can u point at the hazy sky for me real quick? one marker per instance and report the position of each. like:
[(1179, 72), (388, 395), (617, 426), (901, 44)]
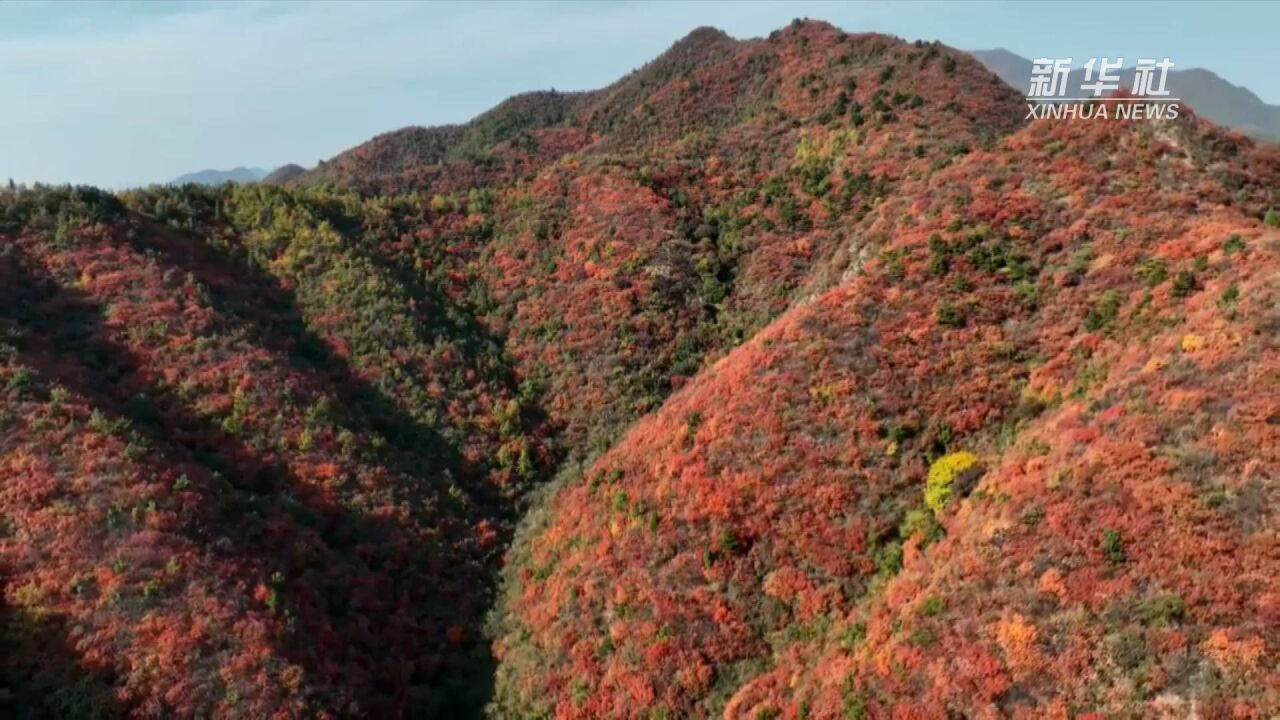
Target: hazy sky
[(126, 94)]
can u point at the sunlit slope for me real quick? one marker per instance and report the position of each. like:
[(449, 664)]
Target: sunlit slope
[(998, 470)]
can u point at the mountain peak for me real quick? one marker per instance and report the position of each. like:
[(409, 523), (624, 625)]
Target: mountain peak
[(695, 46), (703, 34), (809, 25), (283, 174)]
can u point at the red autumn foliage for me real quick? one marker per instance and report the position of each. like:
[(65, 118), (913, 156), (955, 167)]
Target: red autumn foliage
[(752, 523), (264, 448)]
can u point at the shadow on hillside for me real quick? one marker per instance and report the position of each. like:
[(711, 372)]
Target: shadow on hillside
[(41, 675), (270, 315), (368, 599), (439, 317), (437, 314)]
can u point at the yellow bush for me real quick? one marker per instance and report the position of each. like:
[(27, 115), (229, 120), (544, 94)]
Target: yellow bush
[(942, 475)]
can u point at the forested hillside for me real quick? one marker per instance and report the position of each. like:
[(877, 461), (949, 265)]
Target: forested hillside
[(1020, 464), (254, 466), (790, 377)]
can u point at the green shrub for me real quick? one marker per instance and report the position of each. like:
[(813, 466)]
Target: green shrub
[(856, 119), (947, 315), (152, 589), (441, 203), (1166, 609), (1112, 548), (1227, 301), (22, 379), (931, 606), (1272, 218), (1152, 271), (887, 558), (939, 255), (692, 422), (922, 637), (1028, 294), (1080, 260), (1215, 497), (894, 269), (619, 500), (1184, 284), (1103, 312), (853, 636), (921, 521), (1127, 649), (728, 541)]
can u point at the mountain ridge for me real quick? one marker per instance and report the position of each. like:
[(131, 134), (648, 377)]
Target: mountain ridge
[(787, 377), (217, 177), (530, 135)]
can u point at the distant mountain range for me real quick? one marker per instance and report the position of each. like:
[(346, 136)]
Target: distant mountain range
[(1206, 93), (218, 177)]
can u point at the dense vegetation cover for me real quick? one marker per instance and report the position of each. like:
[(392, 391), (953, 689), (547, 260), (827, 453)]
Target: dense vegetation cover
[(820, 386), (1003, 470)]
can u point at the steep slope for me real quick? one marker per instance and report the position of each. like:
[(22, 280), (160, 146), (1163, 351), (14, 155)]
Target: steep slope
[(617, 272), (354, 392), (1210, 95), (742, 549), (243, 475), (266, 446)]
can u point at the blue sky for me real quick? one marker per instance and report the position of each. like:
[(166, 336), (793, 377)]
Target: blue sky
[(125, 94)]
